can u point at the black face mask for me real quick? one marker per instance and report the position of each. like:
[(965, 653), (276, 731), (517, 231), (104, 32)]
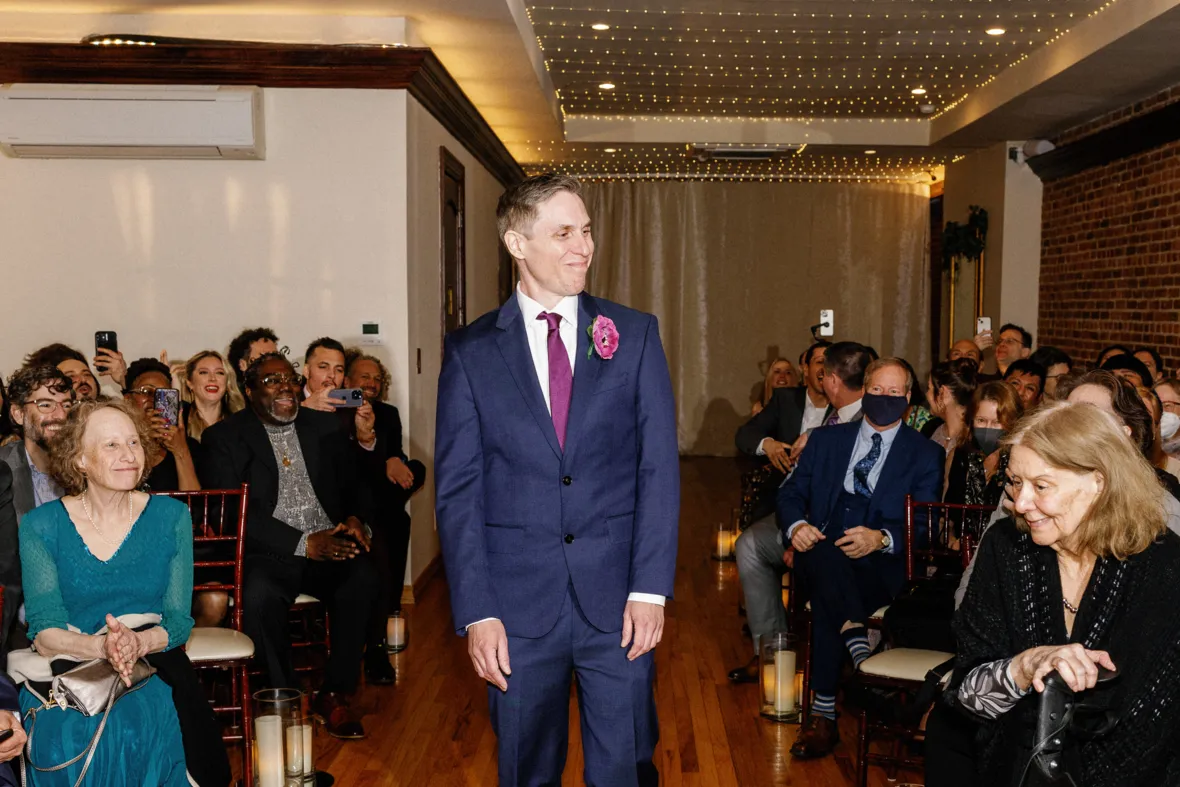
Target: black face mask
[(988, 439), (883, 410)]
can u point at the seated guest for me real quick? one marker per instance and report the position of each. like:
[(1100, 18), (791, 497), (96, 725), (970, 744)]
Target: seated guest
[(394, 478), (1154, 363), (1109, 352), (9, 560), (107, 574), (843, 385), (1027, 378), (851, 482), (1056, 364), (41, 399), (965, 348), (248, 345), (304, 532), (209, 391), (172, 468), (1082, 577), (1013, 343), (1158, 457), (949, 390), (976, 475), (71, 363), (11, 748), (781, 374), (1129, 368), (1168, 391)]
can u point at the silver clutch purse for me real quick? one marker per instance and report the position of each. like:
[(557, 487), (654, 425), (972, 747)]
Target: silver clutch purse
[(93, 686)]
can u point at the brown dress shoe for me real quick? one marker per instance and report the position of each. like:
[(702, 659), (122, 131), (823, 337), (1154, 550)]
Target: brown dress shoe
[(339, 721), (817, 739), (745, 674)]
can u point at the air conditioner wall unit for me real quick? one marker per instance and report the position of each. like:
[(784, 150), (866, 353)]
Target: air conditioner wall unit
[(132, 122)]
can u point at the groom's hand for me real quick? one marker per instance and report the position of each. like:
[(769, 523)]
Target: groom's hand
[(487, 644), (643, 627)]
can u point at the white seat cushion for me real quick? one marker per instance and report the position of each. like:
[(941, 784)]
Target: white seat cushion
[(303, 598), (878, 615), (218, 644), (904, 663)]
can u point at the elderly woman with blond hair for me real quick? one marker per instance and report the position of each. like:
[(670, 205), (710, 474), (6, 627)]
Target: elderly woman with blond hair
[(1084, 575)]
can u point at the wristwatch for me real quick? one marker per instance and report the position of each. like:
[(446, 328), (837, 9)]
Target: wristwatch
[(886, 540)]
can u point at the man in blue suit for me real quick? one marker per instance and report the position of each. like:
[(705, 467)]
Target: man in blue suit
[(558, 488), (843, 510)]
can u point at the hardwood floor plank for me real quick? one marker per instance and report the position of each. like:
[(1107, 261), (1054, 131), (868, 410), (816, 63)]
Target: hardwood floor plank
[(433, 730)]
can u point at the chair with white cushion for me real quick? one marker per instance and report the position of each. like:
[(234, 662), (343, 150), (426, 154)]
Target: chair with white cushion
[(308, 635), (904, 670), (219, 527)]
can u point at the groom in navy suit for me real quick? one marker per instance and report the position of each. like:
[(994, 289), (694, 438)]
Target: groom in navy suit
[(843, 510), (558, 496)]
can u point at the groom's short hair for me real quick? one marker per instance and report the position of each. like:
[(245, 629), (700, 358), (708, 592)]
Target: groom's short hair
[(517, 209)]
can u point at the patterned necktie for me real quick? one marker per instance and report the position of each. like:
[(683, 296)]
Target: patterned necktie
[(834, 418), (860, 473), (561, 377)]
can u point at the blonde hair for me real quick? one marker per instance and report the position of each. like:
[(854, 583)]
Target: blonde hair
[(231, 401), (767, 385), (882, 363), (1128, 513), (67, 446)]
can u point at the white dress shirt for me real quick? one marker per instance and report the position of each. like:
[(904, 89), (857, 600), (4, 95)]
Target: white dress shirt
[(813, 415), (537, 332)]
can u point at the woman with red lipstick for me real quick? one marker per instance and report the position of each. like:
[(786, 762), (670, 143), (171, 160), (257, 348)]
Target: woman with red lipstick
[(210, 392), (1085, 577)]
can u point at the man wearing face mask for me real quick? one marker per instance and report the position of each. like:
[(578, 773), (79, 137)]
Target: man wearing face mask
[(843, 511)]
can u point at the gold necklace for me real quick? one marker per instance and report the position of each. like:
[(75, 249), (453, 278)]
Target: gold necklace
[(130, 521)]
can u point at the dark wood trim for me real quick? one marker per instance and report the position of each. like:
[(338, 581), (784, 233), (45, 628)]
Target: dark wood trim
[(1139, 134), (448, 165), (270, 65)]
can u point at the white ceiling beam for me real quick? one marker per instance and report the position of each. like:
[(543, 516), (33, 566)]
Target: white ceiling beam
[(670, 129)]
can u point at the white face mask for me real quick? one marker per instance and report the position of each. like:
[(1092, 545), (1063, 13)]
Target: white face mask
[(1169, 424)]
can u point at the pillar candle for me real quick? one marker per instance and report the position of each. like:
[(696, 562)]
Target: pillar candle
[(395, 632), (784, 681), (724, 542), (268, 746)]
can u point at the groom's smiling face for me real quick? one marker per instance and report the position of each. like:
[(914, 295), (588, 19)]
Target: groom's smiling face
[(555, 256)]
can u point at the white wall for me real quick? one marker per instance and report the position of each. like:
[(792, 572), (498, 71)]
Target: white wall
[(424, 138), (180, 255)]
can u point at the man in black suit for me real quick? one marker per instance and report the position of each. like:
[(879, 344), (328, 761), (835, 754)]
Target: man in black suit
[(304, 531), (393, 478), (41, 397)]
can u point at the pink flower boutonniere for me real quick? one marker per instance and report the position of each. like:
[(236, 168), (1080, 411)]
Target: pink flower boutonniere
[(604, 337)]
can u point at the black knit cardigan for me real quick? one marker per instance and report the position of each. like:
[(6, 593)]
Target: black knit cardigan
[(1130, 608)]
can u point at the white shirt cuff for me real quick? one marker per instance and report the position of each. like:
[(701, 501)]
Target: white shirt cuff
[(888, 548), (760, 451), (791, 529), (484, 620), (370, 446), (647, 598)]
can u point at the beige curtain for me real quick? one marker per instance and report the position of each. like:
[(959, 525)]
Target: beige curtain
[(737, 272)]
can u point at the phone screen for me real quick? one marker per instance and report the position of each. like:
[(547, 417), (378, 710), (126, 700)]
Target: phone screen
[(168, 404)]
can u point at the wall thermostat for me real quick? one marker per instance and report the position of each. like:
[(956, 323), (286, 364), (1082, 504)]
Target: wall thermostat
[(371, 333)]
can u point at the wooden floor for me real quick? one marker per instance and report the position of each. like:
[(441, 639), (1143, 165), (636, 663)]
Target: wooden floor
[(432, 728)]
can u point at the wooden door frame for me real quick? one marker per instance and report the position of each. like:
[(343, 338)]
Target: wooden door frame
[(449, 165)]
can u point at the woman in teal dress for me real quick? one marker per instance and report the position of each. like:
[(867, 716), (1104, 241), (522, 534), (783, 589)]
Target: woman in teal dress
[(101, 552)]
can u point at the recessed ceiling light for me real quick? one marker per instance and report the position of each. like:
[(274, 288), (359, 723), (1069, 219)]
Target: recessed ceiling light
[(996, 31), (919, 91), (610, 150), (611, 86), (600, 26), (870, 152)]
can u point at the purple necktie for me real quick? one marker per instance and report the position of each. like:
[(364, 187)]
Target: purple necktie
[(561, 377), (833, 419)]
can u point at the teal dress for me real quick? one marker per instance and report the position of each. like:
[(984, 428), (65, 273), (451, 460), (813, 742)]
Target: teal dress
[(66, 585)]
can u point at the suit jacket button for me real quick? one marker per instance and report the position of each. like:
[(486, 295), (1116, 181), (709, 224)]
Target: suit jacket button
[(569, 538), (567, 480)]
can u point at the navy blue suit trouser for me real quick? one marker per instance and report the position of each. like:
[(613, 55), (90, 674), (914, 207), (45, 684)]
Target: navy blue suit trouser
[(618, 712)]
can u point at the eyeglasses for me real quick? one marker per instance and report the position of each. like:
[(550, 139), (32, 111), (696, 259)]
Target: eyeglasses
[(146, 390), (275, 380), (1010, 342), (47, 406)]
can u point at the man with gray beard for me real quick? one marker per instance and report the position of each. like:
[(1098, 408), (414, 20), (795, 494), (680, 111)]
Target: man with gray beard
[(305, 530)]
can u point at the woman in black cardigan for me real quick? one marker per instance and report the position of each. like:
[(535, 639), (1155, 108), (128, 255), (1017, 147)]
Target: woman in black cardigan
[(1086, 574)]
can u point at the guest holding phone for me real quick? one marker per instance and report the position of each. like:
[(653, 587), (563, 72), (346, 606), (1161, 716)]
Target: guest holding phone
[(325, 365), (210, 392), (174, 468)]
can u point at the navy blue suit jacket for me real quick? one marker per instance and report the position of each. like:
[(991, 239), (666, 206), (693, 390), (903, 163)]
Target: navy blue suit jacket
[(914, 466), (518, 518)]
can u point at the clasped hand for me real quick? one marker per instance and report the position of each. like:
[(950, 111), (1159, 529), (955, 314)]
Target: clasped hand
[(343, 542), (1076, 665), (123, 647), (855, 543)]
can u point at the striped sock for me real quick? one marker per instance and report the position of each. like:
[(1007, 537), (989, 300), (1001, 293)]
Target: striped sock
[(856, 639), (824, 705)]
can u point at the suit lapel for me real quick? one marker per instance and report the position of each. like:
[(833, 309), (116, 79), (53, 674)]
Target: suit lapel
[(843, 456), (514, 346), (260, 444), (306, 433), (22, 484), (587, 366)]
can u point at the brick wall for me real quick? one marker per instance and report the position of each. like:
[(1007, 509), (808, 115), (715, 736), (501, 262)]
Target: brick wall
[(1110, 250)]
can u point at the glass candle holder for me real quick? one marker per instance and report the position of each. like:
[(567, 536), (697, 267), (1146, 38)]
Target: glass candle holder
[(278, 744), (781, 678), (723, 542), (396, 637)]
